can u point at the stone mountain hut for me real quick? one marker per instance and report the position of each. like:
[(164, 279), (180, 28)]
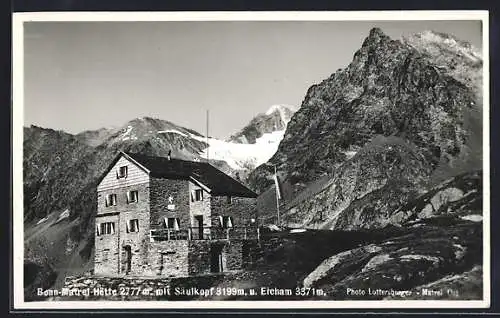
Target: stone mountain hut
[(165, 217)]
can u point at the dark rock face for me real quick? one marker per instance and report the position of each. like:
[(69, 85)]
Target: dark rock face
[(391, 89), (46, 185)]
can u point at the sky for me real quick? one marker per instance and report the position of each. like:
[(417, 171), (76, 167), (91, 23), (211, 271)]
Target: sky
[(88, 75)]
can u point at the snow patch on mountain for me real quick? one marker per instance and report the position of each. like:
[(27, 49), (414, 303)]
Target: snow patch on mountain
[(243, 156), (63, 215), (172, 131), (42, 220), (472, 217)]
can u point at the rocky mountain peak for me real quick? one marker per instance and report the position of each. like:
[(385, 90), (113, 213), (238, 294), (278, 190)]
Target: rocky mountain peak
[(375, 37), (282, 113), (275, 119), (398, 89), (148, 122), (376, 32)]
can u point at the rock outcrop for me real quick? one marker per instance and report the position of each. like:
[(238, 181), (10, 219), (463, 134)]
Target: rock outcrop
[(424, 263)]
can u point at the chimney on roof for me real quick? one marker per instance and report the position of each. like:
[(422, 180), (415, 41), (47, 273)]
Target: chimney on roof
[(169, 155)]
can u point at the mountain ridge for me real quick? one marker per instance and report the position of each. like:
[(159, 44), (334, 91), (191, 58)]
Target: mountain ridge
[(390, 90)]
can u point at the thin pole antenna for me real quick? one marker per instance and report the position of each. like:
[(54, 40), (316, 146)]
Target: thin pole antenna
[(208, 146), (277, 197)]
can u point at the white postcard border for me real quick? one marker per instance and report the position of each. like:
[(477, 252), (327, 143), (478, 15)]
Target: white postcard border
[(17, 153)]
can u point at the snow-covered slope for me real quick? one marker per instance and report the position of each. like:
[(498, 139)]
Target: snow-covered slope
[(256, 143), (243, 156)]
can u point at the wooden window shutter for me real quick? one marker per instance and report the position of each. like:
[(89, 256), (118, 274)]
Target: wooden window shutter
[(107, 200), (128, 226), (221, 220), (98, 232), (229, 221), (176, 224), (128, 197), (165, 221), (192, 196), (113, 228)]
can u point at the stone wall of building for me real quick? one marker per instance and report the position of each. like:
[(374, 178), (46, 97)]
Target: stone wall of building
[(161, 207), (242, 210), (106, 258), (121, 199), (200, 208), (251, 251), (236, 255), (234, 259), (115, 245), (199, 257), (169, 258)]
